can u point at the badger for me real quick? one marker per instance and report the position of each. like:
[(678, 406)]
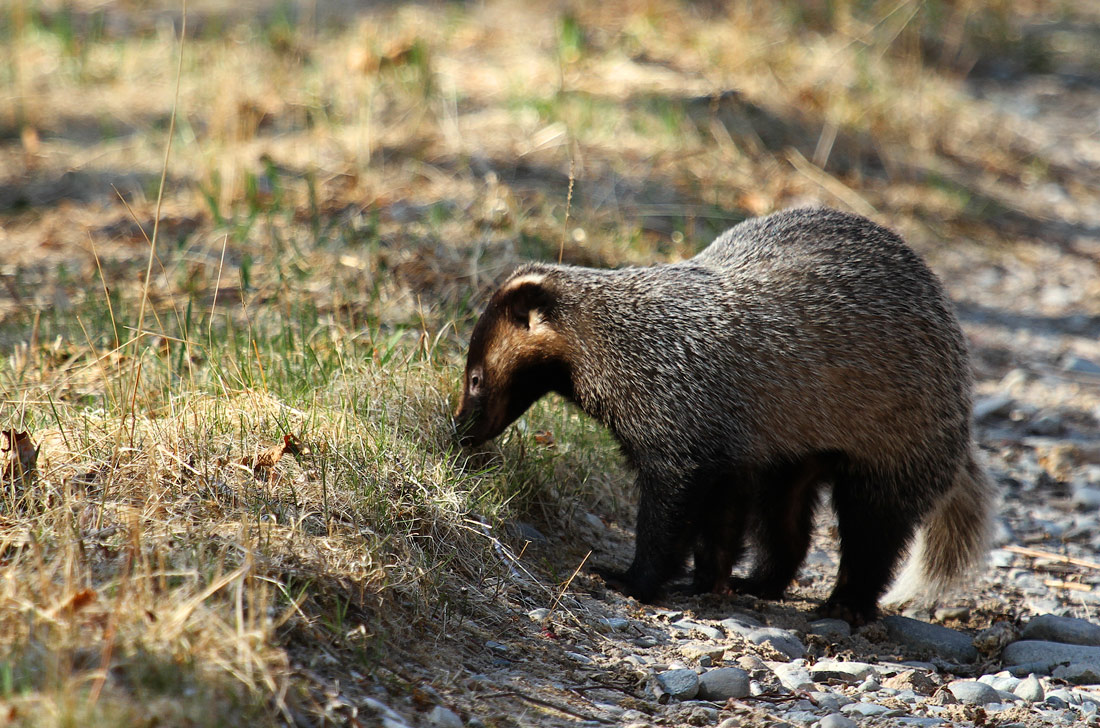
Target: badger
[(804, 350)]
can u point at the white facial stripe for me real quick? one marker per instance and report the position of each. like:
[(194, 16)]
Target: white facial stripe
[(535, 278)]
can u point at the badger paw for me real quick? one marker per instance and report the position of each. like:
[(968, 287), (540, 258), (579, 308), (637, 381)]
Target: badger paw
[(853, 614), (625, 583)]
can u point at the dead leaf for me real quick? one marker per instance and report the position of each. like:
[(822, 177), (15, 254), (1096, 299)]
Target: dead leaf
[(263, 463), (545, 438), (75, 602), (18, 455)]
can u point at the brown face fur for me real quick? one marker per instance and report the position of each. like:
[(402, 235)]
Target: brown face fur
[(516, 356)]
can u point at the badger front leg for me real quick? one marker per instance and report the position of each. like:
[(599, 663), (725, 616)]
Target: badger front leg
[(665, 532)]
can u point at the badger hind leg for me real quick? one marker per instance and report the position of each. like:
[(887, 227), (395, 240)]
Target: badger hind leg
[(876, 517), (786, 495), (721, 537)]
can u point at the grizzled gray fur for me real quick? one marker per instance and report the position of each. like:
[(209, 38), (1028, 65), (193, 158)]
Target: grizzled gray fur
[(804, 349)]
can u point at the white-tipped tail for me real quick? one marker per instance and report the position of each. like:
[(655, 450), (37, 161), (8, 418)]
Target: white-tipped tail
[(951, 541)]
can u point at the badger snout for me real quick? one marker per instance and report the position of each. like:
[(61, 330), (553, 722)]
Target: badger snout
[(469, 423)]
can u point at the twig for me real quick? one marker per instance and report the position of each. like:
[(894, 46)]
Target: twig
[(1070, 585), (548, 704), (568, 203), (830, 183), (1060, 558), (565, 587)]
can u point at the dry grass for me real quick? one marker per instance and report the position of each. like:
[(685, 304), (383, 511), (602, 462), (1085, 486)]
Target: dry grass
[(340, 191)]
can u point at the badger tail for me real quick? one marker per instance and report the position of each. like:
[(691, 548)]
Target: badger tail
[(951, 541)]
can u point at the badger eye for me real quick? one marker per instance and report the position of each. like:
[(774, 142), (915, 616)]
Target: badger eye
[(474, 381)]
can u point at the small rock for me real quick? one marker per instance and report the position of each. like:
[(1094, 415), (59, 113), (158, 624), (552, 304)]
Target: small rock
[(614, 624), (1030, 689), (699, 650), (1081, 366), (680, 684), (869, 685), (778, 639), (1002, 559), (997, 405), (1086, 497), (827, 701), (578, 657), (751, 663), (849, 672), (801, 717), (916, 680), (724, 683), (645, 642), (936, 639), (831, 629), (594, 522), (740, 624), (837, 720), (1004, 683), (522, 531), (441, 717), (793, 675), (687, 626), (867, 710), (538, 615), (1079, 673), (1068, 630), (972, 692), (1049, 654)]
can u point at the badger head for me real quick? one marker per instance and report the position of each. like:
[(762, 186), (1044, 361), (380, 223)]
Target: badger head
[(517, 354)]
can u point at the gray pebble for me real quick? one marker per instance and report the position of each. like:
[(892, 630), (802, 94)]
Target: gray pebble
[(441, 717), (723, 683), (837, 720), (918, 721), (578, 657), (681, 684), (936, 639), (523, 531), (832, 629), (1068, 630), (1081, 366), (1001, 682), (778, 639), (869, 685), (616, 624), (997, 405), (1078, 673), (1048, 654), (793, 675), (1085, 496), (538, 615), (867, 710), (688, 626), (1030, 689), (828, 701), (645, 642), (851, 672), (801, 717), (701, 651), (973, 692)]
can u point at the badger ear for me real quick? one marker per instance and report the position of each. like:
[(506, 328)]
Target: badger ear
[(528, 300)]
